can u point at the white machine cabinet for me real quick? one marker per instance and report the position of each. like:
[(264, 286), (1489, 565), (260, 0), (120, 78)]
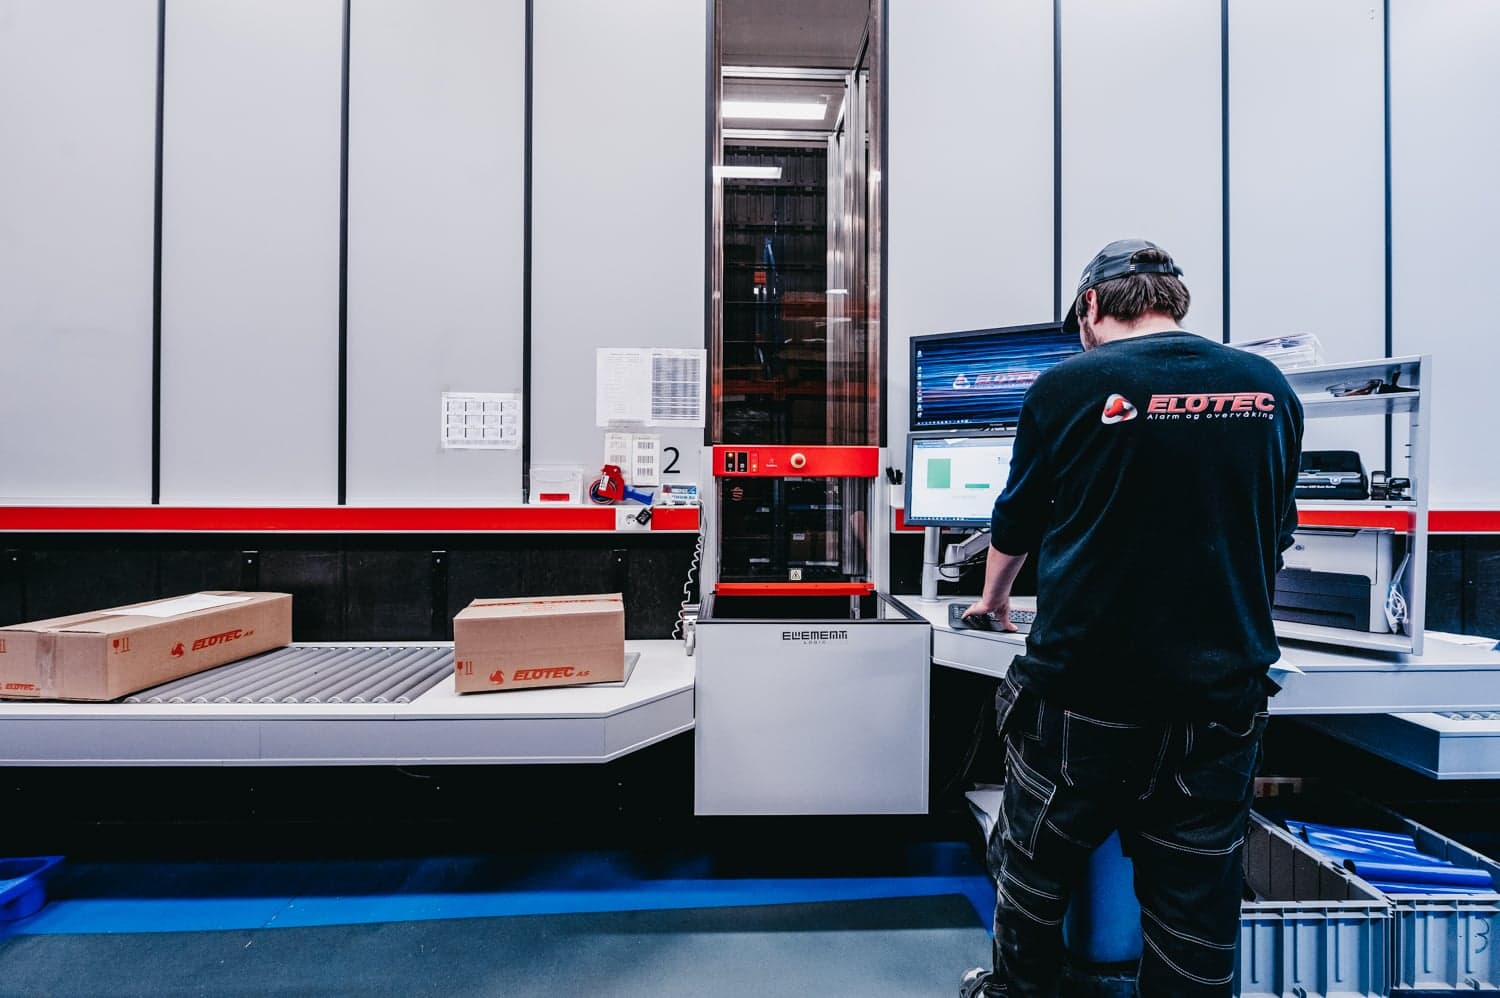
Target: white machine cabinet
[(811, 716)]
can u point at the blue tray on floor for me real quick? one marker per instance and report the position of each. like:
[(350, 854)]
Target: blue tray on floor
[(23, 885)]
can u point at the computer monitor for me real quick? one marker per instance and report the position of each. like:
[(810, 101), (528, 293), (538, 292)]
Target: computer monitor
[(975, 380), (953, 480)]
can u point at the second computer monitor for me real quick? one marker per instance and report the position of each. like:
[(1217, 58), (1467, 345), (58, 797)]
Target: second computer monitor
[(953, 480), (975, 380)]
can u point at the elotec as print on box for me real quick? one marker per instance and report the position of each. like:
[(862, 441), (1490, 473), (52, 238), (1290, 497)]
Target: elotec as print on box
[(524, 643), (107, 654)]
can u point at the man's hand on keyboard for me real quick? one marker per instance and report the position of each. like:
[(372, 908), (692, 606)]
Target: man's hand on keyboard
[(999, 610)]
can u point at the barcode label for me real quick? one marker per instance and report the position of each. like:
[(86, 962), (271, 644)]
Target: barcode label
[(677, 388)]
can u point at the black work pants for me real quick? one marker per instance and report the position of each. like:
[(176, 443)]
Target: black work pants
[(1179, 795)]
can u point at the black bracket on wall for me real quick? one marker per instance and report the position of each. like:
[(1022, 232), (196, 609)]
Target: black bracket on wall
[(250, 571), (12, 574), (442, 624), (622, 568)]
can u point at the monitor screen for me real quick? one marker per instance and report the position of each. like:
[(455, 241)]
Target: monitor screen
[(954, 481), (976, 380)]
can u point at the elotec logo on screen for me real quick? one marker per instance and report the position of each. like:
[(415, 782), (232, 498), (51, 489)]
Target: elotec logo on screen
[(979, 378)]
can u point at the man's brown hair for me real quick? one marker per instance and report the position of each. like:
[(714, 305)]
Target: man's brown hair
[(1127, 298)]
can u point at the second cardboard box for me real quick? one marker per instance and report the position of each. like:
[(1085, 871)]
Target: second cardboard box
[(524, 643)]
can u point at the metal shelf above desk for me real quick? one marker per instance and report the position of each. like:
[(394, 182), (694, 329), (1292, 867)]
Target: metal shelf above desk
[(1449, 676)]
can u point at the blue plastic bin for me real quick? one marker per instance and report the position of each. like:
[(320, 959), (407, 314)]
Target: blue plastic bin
[(23, 885), (1103, 922)]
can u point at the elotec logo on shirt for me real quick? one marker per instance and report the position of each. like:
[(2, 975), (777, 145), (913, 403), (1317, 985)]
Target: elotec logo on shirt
[(1117, 409), (1214, 405)]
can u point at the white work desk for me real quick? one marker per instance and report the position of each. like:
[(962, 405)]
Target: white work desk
[(1449, 676), (569, 724)]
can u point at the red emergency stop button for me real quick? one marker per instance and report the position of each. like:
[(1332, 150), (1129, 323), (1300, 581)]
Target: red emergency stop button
[(799, 460)]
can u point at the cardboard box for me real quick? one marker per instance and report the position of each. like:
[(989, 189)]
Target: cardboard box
[(108, 654), (519, 644)]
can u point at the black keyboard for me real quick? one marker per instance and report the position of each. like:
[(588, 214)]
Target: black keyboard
[(1022, 619)]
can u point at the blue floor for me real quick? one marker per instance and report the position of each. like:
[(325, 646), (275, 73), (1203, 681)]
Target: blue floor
[(909, 927)]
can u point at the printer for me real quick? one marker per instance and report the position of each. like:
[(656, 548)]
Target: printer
[(1337, 577)]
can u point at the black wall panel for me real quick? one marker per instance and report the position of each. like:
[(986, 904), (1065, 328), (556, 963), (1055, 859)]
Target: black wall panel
[(483, 574), (402, 587), (315, 578), (1482, 586), (388, 595), (76, 575), (1445, 575), (12, 586), (194, 569), (572, 567), (654, 579)]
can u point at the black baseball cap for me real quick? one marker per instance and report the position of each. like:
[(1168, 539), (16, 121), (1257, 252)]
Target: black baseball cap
[(1116, 260)]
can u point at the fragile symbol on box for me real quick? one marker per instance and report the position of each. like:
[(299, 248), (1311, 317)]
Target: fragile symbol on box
[(121, 645)]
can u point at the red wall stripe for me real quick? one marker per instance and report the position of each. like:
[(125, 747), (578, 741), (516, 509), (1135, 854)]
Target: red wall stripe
[(1464, 521), (332, 519)]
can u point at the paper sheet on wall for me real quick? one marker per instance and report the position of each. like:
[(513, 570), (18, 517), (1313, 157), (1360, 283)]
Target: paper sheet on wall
[(652, 387), (480, 421), (623, 380), (178, 606), (678, 387)]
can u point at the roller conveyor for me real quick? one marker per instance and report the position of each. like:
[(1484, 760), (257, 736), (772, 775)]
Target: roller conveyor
[(356, 704), (361, 674)]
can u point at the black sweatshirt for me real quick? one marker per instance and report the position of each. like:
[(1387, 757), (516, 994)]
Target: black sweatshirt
[(1153, 477)]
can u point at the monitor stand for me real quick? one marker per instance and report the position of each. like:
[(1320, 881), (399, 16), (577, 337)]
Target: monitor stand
[(958, 552)]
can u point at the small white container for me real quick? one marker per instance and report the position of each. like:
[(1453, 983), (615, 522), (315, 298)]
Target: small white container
[(556, 485)]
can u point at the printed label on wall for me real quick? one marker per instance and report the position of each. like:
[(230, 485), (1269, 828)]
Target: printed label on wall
[(481, 420), (655, 387)]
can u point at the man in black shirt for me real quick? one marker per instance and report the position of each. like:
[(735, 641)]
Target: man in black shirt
[(1153, 477)]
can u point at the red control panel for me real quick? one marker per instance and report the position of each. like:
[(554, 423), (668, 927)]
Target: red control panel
[(796, 462)]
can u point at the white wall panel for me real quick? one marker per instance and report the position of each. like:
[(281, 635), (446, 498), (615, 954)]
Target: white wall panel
[(970, 175), (250, 251), (77, 162), (1141, 99), (1445, 210), (618, 251), (436, 203), (1307, 186)]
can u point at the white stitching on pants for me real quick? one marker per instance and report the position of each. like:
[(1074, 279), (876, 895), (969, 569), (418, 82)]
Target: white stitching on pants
[(1190, 849), (1011, 878), (1183, 935), (1187, 753), (1161, 754), (1183, 786), (1027, 779), (1064, 835), (1103, 724), (1022, 909), (1183, 973), (1064, 771)]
